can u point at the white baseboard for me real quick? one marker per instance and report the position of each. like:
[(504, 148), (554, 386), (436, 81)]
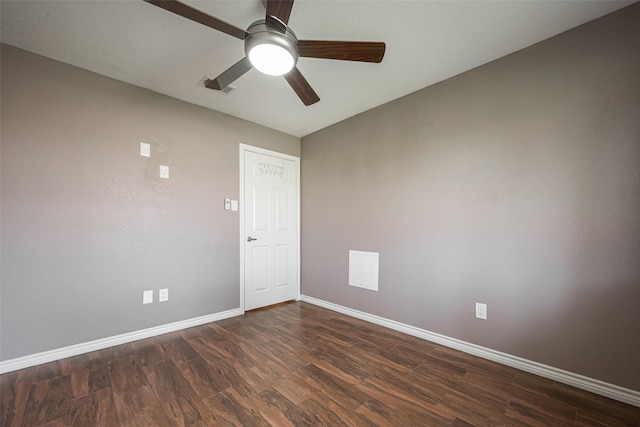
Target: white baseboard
[(74, 350), (602, 388)]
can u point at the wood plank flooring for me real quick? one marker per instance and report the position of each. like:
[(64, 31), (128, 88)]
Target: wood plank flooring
[(294, 364)]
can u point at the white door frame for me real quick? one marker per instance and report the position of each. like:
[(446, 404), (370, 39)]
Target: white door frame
[(296, 160)]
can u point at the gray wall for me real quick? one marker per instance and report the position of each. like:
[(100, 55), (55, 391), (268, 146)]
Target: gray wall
[(516, 184), (87, 225)]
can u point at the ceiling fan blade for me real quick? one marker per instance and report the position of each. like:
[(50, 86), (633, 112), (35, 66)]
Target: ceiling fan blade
[(280, 9), (229, 76), (200, 17), (346, 51), (276, 24), (301, 87)]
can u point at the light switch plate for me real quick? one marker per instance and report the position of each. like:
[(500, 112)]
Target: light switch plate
[(147, 297), (145, 149), (234, 205), (163, 295), (164, 171)]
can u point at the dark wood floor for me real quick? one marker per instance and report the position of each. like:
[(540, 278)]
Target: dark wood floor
[(293, 365)]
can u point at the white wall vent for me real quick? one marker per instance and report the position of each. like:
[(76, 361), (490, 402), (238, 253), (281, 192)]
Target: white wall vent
[(363, 269)]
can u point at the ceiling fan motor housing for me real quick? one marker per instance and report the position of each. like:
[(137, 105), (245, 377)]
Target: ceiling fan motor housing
[(261, 34)]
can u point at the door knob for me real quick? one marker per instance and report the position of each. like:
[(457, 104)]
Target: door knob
[(250, 239)]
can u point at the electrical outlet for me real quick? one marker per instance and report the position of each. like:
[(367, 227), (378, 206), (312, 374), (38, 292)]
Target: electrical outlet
[(481, 311), (145, 149), (227, 204), (147, 297), (164, 171), (163, 295)]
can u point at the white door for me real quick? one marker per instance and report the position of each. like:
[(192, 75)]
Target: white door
[(269, 232)]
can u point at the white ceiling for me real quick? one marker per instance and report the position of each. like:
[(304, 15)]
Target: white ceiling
[(427, 42)]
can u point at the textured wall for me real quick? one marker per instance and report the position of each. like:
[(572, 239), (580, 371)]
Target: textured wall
[(516, 184), (87, 225)]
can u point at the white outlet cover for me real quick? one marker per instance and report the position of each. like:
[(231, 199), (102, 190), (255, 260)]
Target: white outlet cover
[(481, 311), (164, 171), (163, 295), (145, 149), (234, 205), (147, 297)]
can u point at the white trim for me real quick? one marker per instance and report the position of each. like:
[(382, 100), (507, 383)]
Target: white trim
[(74, 350), (602, 388), (242, 149)]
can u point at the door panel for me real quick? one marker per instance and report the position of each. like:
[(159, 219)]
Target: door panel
[(260, 208), (260, 268), (282, 266), (282, 209)]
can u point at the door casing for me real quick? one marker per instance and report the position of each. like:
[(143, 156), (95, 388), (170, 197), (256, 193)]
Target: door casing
[(241, 214)]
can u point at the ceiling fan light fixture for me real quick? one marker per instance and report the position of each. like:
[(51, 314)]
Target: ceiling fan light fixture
[(269, 51), (271, 59)]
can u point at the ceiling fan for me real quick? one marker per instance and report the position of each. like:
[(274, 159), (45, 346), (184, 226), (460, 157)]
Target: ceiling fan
[(272, 47)]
